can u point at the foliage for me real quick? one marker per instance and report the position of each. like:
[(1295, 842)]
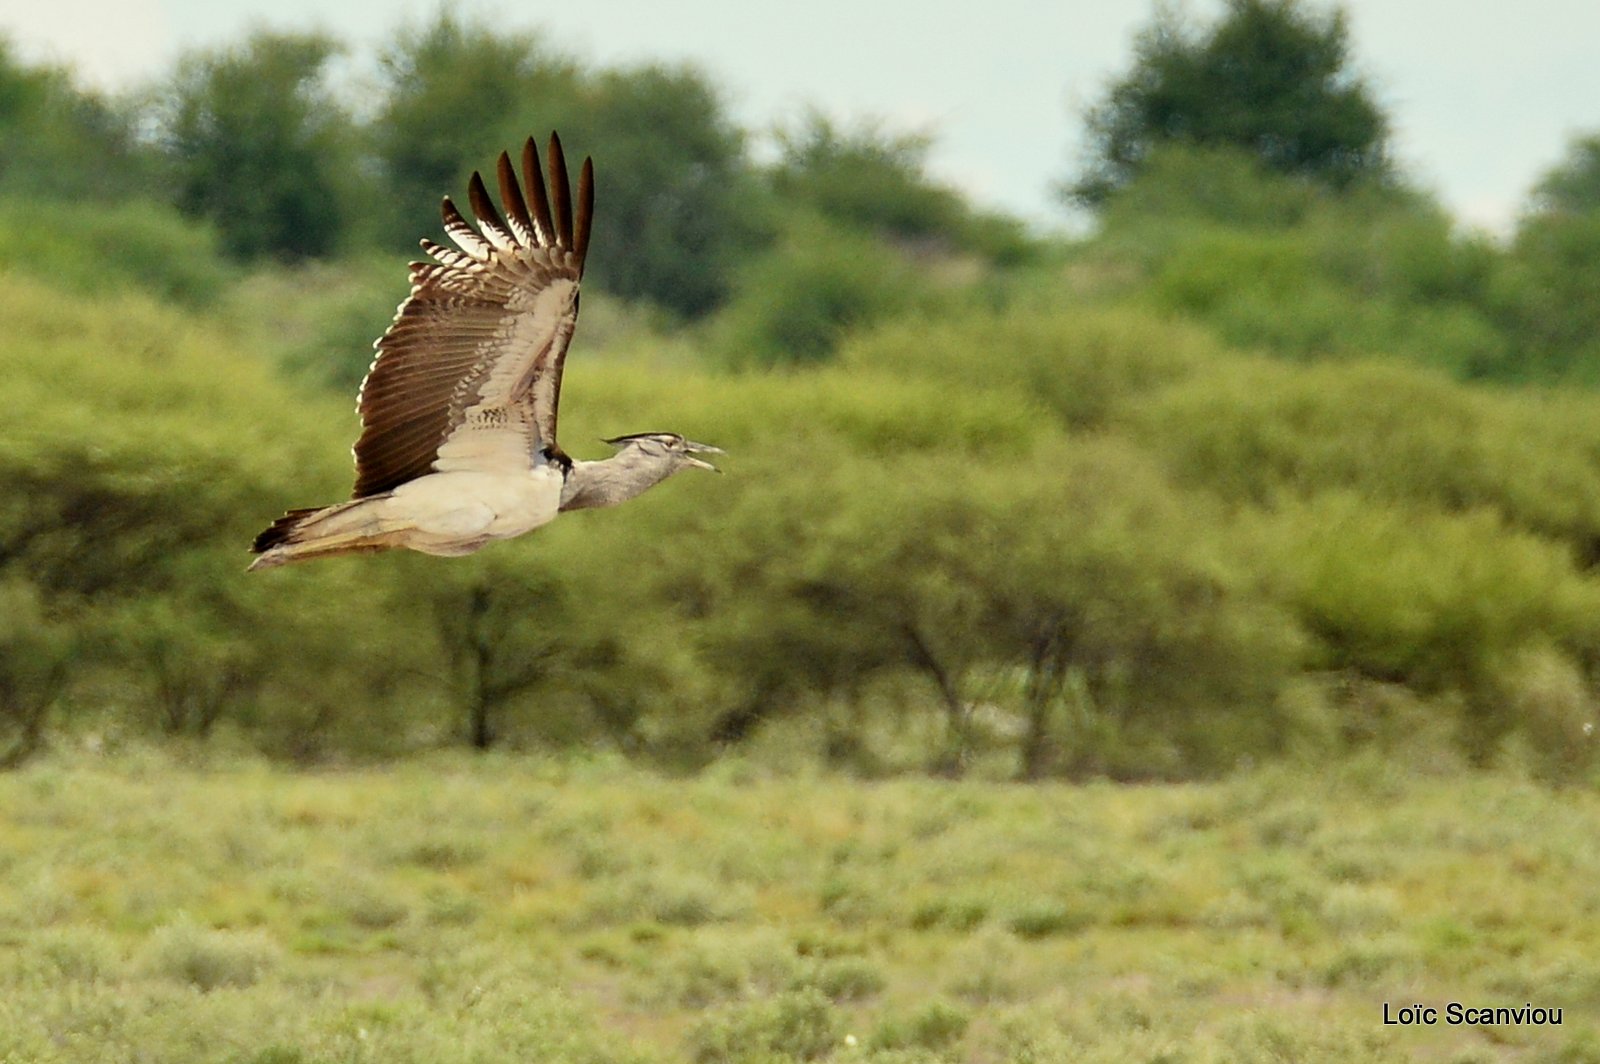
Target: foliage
[(676, 206), (340, 311), (1271, 77), (1573, 185), (1259, 432), (1436, 602), (60, 143), (137, 245), (1218, 185), (500, 621), (422, 912), (259, 146), (793, 305), (1548, 295), (1273, 263), (863, 178), (127, 517), (1150, 505), (36, 650), (1081, 364)]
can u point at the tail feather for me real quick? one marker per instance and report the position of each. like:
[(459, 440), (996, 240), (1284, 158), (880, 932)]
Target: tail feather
[(281, 530), (320, 532)]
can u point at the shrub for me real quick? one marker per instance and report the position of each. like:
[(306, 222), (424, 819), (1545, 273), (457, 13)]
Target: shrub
[(1440, 602), (797, 1024), (847, 979), (1083, 364), (935, 1025), (796, 303), (1258, 432), (131, 246), (208, 959)]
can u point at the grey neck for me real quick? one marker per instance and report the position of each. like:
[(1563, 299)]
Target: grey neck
[(613, 480)]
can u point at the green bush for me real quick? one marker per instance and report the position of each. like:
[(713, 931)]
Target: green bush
[(1436, 601), (1296, 293), (1545, 297), (794, 1025), (936, 1025), (146, 459), (1257, 432), (865, 178), (1184, 184), (340, 311), (795, 304), (1274, 264), (208, 959), (1083, 364), (98, 250)]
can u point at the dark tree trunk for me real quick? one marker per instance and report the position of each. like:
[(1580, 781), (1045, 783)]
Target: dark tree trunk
[(954, 761), (31, 719), (480, 660), (1044, 683)]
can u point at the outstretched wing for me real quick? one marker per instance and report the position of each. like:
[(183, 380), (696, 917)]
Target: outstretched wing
[(468, 375)]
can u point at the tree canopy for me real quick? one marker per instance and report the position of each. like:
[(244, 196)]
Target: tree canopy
[(59, 141), (1271, 77), (259, 144), (1207, 484), (1573, 185)]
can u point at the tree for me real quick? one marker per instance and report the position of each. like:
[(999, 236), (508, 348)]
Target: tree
[(259, 145), (454, 94), (500, 630), (863, 177), (1549, 288), (36, 652), (1573, 186), (677, 207), (522, 662), (57, 142), (1271, 77), (793, 304)]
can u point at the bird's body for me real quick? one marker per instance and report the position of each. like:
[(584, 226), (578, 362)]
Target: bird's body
[(458, 445)]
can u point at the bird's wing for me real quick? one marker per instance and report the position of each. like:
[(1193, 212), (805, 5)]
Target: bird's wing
[(468, 375)]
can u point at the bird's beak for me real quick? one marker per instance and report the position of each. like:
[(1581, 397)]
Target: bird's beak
[(692, 448)]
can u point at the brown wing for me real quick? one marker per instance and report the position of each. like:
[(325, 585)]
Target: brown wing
[(472, 361)]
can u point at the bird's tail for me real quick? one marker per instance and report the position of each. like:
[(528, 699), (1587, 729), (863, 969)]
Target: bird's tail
[(300, 535)]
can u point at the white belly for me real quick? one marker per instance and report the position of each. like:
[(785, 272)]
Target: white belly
[(458, 512)]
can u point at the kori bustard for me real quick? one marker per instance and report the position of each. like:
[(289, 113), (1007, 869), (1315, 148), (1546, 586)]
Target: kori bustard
[(458, 410)]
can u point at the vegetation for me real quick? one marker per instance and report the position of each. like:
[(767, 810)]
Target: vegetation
[(1271, 78), (1217, 483), (1278, 489), (259, 147), (49, 130), (443, 911)]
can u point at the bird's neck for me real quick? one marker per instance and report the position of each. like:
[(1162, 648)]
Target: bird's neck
[(613, 480)]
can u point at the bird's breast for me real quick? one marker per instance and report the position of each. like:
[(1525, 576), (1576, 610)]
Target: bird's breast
[(490, 505)]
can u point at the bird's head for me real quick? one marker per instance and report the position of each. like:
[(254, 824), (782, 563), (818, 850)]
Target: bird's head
[(668, 448)]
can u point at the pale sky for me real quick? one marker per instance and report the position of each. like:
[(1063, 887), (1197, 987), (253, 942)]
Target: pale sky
[(1483, 96)]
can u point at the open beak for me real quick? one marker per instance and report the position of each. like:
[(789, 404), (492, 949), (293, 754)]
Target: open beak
[(692, 448)]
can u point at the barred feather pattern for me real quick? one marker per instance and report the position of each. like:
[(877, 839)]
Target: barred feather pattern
[(468, 375)]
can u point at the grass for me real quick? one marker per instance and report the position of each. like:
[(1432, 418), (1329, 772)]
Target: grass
[(496, 909)]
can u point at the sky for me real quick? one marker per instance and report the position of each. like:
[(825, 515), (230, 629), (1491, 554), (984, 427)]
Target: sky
[(1483, 97)]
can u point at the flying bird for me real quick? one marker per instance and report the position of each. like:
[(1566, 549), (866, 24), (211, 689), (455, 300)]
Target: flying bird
[(458, 410)]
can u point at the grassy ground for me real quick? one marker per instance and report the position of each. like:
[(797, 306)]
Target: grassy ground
[(514, 910)]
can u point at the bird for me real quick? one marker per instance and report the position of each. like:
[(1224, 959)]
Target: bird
[(458, 409)]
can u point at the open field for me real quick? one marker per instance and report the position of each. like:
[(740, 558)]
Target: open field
[(511, 909)]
